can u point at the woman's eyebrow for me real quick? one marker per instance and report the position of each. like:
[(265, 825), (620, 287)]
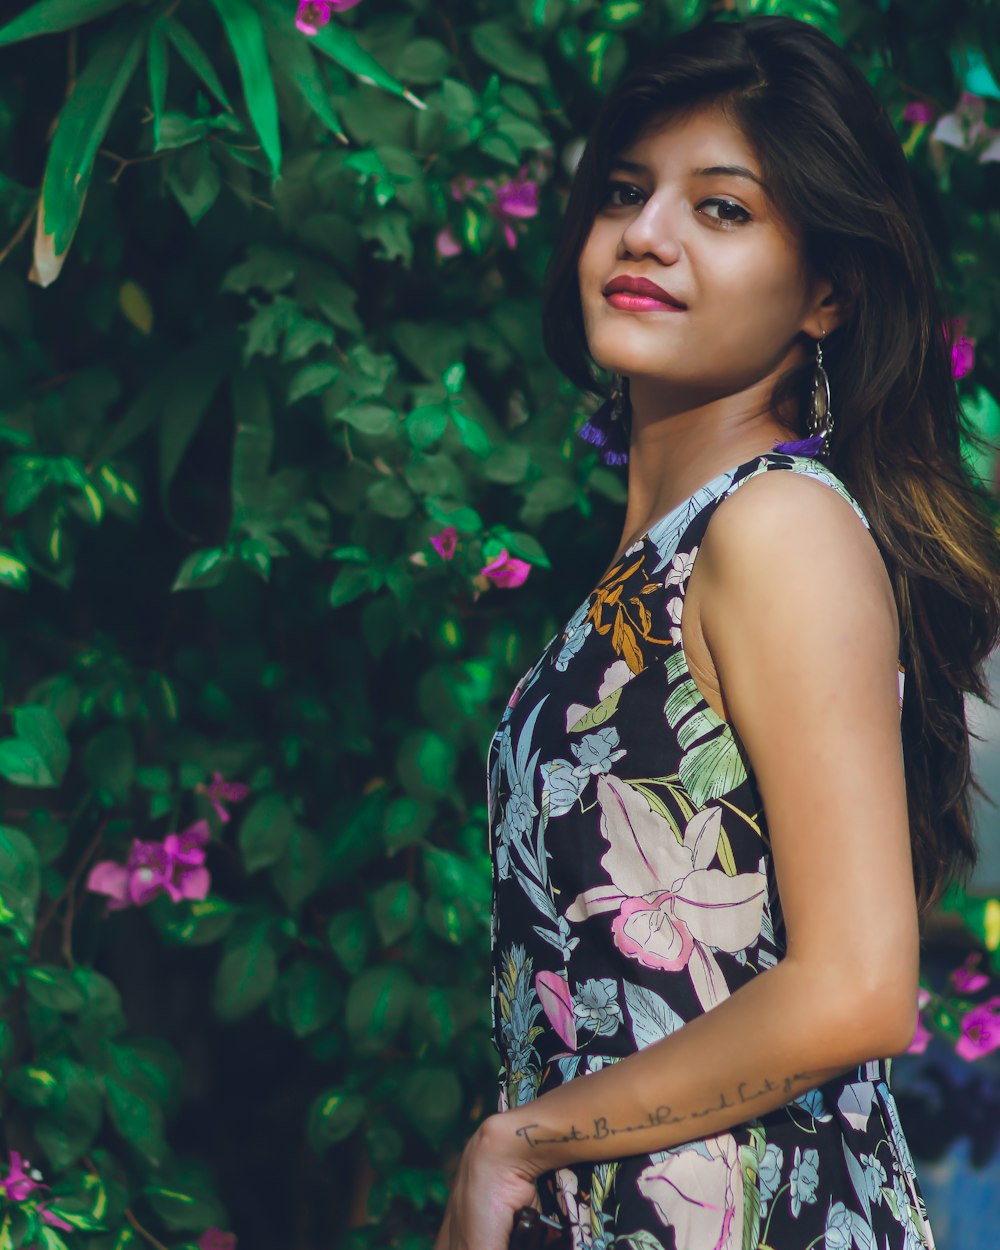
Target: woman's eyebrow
[(737, 171)]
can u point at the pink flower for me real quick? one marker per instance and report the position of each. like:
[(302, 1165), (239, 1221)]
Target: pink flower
[(515, 199), (216, 1239), (647, 931), (917, 111), (173, 866), (557, 1003), (446, 243), (962, 348), (921, 1036), (965, 979), (313, 14), (19, 1183), (965, 127), (446, 542), (504, 570), (980, 1030), (218, 789)]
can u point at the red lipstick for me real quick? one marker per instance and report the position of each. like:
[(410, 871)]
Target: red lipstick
[(640, 295)]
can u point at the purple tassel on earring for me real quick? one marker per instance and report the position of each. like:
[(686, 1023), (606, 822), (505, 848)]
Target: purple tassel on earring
[(801, 446), (604, 430)]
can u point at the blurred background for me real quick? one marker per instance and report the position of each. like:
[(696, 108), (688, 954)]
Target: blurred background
[(291, 499)]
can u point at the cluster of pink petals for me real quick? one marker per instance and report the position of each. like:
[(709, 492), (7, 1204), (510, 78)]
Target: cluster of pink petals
[(514, 200), (21, 1182), (174, 866), (216, 1239), (980, 1030), (919, 113), (922, 1035), (506, 570), (965, 127), (965, 978), (963, 355), (446, 542), (218, 789), (313, 14)]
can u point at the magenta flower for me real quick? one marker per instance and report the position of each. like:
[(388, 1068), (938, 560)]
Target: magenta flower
[(966, 979), (313, 14), (19, 1182), (917, 111), (446, 542), (516, 199), (218, 789), (980, 1030), (216, 1239), (921, 1035), (174, 866), (446, 243), (963, 356), (506, 571)]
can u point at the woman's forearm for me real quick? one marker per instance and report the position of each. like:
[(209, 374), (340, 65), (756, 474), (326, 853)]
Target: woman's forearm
[(779, 1035)]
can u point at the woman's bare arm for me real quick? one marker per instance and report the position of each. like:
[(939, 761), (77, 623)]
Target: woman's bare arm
[(798, 614)]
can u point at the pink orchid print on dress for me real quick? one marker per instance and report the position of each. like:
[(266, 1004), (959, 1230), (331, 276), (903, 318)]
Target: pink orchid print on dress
[(175, 866), (218, 789)]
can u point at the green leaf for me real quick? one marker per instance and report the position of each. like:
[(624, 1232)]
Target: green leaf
[(246, 973), (340, 45), (348, 585), (297, 874), (350, 937), (293, 58), (246, 37), (306, 997), (395, 907), (264, 832), (188, 48), (23, 764), (79, 133), (432, 1098), (426, 424), (333, 1116), (20, 882), (496, 43), (13, 572), (156, 68), (138, 1117), (54, 987), (50, 16), (377, 1004)]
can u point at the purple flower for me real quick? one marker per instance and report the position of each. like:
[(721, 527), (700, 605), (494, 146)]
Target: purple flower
[(917, 111), (505, 570), (19, 1182), (963, 356), (174, 866), (216, 1239), (446, 542), (965, 978), (313, 14), (218, 789), (980, 1030)]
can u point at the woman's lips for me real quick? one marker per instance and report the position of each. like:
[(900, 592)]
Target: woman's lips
[(630, 302)]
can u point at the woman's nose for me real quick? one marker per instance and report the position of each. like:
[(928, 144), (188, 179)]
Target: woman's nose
[(650, 233)]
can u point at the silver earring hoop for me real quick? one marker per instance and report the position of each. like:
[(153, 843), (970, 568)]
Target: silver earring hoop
[(820, 416)]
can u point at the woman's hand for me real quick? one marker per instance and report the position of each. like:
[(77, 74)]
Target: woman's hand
[(493, 1182)]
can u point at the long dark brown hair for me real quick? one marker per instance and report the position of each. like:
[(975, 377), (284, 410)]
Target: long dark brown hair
[(837, 171)]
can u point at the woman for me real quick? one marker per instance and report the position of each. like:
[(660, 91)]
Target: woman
[(715, 822)]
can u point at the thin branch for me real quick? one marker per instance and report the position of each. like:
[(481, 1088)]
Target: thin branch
[(125, 161), (157, 1245), (68, 888), (22, 230)]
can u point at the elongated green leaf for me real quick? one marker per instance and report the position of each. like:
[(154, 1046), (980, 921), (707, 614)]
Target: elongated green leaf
[(292, 57), (51, 16), (79, 132), (189, 50), (246, 37), (156, 67), (340, 45)]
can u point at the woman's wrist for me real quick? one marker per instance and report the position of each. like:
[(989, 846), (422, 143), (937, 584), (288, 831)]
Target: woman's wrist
[(506, 1138)]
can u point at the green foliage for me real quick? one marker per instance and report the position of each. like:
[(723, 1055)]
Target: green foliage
[(288, 333)]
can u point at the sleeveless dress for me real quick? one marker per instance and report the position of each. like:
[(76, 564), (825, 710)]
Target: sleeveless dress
[(633, 889)]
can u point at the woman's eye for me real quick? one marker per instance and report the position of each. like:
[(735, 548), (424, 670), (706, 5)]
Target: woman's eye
[(728, 222), (625, 187)]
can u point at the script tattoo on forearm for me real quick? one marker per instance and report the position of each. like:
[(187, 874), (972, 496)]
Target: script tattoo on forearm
[(661, 1115)]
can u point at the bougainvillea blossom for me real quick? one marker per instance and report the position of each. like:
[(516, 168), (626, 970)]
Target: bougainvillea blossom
[(506, 570), (218, 789), (314, 14), (446, 542), (174, 866)]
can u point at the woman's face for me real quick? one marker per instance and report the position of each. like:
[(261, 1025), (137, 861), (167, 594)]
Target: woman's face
[(737, 269)]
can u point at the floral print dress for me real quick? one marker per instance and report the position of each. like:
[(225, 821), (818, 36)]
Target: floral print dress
[(634, 889)]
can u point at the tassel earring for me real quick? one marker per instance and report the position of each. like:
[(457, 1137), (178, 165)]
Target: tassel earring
[(609, 427), (820, 421)]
